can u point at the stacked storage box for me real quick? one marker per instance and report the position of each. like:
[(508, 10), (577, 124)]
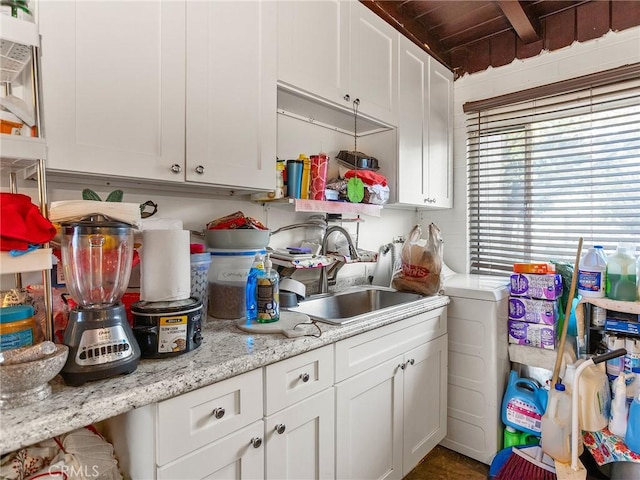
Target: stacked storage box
[(534, 305)]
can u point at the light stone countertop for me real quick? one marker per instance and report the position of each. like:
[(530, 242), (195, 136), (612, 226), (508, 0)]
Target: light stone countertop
[(225, 352)]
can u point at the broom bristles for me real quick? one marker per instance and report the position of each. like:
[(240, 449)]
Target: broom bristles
[(519, 466)]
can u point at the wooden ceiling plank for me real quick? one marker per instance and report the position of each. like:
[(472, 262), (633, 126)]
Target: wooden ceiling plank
[(527, 29)]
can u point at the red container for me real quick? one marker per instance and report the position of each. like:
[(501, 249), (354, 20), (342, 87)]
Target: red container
[(319, 167)]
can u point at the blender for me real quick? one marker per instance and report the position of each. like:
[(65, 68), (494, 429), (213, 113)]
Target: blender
[(96, 254)]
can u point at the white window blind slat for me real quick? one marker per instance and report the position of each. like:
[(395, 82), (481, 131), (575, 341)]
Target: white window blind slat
[(543, 172)]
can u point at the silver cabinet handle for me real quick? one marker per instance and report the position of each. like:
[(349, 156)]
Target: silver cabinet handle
[(280, 428), (347, 97), (304, 377), (429, 200), (412, 361), (402, 366), (175, 168), (356, 101), (256, 442), (199, 169), (218, 412)]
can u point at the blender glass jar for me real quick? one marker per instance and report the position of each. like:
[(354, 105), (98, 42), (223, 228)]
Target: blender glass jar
[(97, 254)]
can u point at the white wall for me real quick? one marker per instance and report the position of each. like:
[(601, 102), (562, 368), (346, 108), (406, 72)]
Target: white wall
[(613, 50)]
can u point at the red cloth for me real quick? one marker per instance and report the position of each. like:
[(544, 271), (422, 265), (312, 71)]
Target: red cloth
[(21, 223), (368, 177)]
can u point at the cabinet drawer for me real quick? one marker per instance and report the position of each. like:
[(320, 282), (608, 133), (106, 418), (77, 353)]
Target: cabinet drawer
[(297, 378), (233, 456), (194, 419), (361, 352)]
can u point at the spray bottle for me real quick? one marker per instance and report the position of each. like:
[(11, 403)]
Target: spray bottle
[(619, 407)]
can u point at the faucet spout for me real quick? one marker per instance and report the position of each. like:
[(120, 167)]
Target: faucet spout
[(353, 253)]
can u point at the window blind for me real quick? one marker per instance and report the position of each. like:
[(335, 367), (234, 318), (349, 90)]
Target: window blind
[(546, 171)]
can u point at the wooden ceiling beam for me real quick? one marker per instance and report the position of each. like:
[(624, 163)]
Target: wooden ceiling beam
[(528, 29)]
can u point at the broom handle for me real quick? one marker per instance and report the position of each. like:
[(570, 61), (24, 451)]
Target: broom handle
[(567, 314)]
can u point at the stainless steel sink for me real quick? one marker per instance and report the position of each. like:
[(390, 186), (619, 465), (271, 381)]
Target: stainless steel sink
[(350, 306)]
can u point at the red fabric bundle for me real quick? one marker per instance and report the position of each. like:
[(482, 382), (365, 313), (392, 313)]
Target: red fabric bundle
[(368, 177), (21, 223)]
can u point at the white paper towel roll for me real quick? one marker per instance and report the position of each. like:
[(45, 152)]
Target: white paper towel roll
[(165, 266)]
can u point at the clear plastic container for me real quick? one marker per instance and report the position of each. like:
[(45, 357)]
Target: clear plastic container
[(200, 263), (621, 274), (619, 407), (556, 425)]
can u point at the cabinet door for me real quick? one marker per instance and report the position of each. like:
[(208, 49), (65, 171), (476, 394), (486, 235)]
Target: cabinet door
[(413, 181), (239, 456), (300, 440), (369, 423), (440, 136), (113, 82), (313, 47), (425, 400), (231, 93), (374, 64)]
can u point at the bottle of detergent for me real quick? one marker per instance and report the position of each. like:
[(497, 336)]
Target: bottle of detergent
[(523, 404), (252, 286), (594, 398), (621, 274), (592, 273), (556, 425)]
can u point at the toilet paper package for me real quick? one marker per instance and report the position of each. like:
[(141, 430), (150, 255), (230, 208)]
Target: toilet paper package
[(533, 310), (545, 287), (532, 334)]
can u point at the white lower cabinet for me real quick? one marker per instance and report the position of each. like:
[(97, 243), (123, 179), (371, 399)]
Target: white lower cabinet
[(370, 406), (391, 405)]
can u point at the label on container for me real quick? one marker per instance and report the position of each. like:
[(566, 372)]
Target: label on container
[(524, 414), (23, 338), (590, 282), (172, 334)]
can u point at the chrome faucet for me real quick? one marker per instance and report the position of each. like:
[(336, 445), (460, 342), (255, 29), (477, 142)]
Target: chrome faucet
[(353, 253)]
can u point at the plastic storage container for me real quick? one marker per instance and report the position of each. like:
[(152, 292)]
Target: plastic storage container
[(200, 263), (621, 274), (592, 273), (17, 327), (228, 281), (556, 425)]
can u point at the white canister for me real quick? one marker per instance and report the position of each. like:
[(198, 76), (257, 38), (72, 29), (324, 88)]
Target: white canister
[(592, 274)]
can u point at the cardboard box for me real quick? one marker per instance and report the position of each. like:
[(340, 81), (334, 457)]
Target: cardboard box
[(532, 334), (533, 310), (544, 287)]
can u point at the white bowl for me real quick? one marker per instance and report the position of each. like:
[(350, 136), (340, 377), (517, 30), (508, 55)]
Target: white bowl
[(28, 382), (237, 238)]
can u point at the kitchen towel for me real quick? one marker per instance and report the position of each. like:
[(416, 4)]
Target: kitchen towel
[(165, 266)]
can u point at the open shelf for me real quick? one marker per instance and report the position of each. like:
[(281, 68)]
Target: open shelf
[(33, 261), (323, 206)]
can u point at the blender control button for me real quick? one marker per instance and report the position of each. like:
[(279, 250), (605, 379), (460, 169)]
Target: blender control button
[(83, 355), (90, 353), (126, 347), (109, 348)]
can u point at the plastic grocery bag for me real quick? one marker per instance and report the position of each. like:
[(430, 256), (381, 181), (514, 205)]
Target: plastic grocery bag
[(420, 263)]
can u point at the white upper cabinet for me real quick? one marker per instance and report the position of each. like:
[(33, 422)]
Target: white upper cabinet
[(231, 93), (339, 51), (113, 87), (173, 90), (425, 137)]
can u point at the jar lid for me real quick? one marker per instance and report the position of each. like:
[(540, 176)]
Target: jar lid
[(15, 313), (168, 307)]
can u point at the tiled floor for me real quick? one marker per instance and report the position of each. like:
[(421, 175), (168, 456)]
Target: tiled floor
[(444, 464)]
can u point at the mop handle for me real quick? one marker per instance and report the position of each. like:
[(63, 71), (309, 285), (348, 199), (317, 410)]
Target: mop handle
[(574, 398)]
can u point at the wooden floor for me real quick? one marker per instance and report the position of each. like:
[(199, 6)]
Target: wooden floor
[(444, 464)]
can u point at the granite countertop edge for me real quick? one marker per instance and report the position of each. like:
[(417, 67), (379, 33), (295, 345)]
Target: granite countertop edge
[(226, 352)]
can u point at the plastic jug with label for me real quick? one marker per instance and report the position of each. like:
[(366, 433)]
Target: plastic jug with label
[(592, 273), (523, 404), (594, 398)]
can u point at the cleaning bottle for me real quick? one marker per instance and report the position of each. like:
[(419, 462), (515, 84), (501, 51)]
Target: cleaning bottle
[(621, 274), (594, 398), (523, 404), (513, 438), (616, 365), (556, 425), (252, 286), (592, 274), (268, 293), (619, 408), (632, 437)]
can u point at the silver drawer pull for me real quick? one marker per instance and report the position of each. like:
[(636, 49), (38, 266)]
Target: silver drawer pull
[(175, 168), (280, 428), (218, 413), (304, 377), (256, 442), (412, 361), (199, 169), (402, 366)]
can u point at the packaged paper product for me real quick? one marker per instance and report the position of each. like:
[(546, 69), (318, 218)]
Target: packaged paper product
[(532, 334), (533, 310), (545, 287)]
